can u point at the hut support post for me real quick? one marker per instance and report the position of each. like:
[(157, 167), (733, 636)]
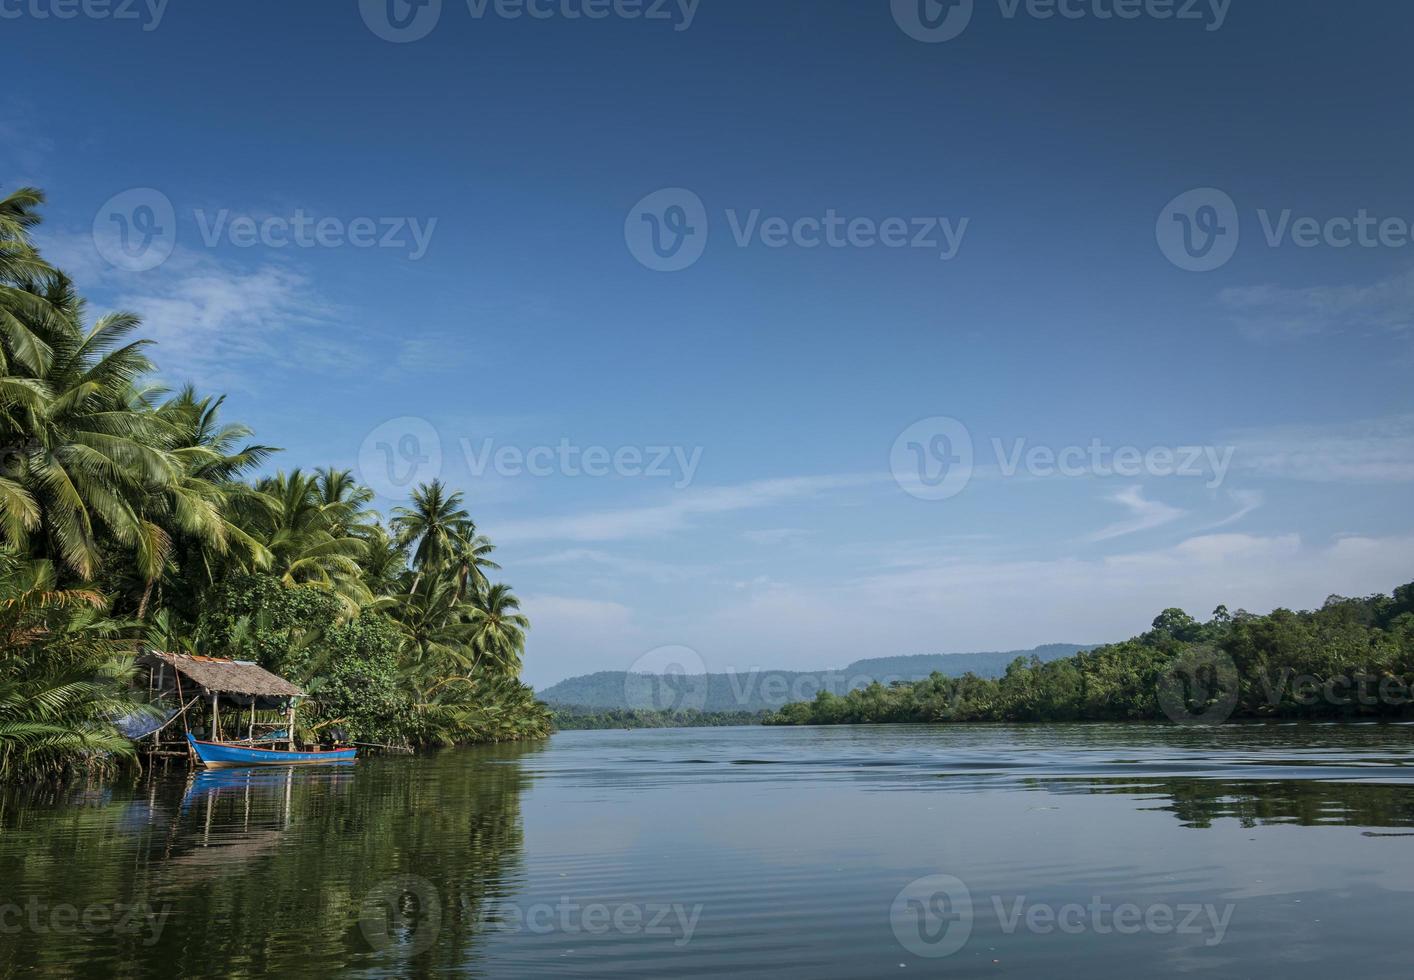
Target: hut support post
[(290, 724), (215, 717)]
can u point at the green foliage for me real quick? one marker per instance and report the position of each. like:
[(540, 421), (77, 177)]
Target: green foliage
[(1353, 658), (129, 517), (258, 617), (571, 719), (64, 675), (770, 690), (361, 689)]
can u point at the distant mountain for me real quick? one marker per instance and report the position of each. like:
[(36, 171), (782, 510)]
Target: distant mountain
[(758, 690)]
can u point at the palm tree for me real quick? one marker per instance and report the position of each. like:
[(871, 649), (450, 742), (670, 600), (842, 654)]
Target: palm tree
[(436, 527), (310, 540), (385, 564), (207, 509), (83, 460), (21, 271), (499, 629), (65, 674)]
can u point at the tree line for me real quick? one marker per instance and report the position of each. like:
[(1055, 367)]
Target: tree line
[(571, 717), (132, 516), (1350, 659)]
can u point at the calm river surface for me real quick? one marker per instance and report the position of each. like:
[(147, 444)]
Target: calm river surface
[(1055, 851)]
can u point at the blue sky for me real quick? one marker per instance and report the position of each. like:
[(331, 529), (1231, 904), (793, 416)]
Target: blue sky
[(784, 383)]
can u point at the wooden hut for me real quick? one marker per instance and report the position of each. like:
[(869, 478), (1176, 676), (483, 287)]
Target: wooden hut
[(232, 690)]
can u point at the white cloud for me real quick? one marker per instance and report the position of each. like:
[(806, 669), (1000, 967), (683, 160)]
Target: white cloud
[(1247, 501), (1276, 311), (660, 571), (1146, 514), (654, 520), (219, 323), (776, 535), (1367, 451), (572, 636), (1001, 605)]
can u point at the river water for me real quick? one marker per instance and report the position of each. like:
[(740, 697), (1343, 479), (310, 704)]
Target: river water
[(1051, 851)]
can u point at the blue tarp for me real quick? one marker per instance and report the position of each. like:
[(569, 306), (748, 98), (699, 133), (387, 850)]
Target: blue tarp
[(136, 726)]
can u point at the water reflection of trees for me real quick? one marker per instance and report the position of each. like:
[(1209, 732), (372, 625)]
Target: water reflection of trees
[(266, 871), (1201, 803)]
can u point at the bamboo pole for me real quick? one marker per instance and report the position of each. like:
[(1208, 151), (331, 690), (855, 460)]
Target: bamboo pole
[(186, 728)]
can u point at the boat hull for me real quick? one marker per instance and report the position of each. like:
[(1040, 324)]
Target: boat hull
[(219, 755)]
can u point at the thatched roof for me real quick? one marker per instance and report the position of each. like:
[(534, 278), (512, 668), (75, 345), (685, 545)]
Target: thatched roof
[(229, 676)]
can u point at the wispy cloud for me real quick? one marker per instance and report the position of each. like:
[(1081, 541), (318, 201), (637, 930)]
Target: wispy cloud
[(1145, 514), (1275, 312), (220, 323), (1366, 451), (1247, 501), (661, 571), (677, 514), (776, 535)]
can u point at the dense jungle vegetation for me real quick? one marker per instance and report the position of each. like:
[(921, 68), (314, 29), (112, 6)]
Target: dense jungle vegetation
[(133, 516)]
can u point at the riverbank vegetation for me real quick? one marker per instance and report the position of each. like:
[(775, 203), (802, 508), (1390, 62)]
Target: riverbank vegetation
[(1350, 659), (134, 516), (570, 718)]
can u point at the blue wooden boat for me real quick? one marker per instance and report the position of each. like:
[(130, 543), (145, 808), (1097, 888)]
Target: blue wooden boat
[(218, 754)]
